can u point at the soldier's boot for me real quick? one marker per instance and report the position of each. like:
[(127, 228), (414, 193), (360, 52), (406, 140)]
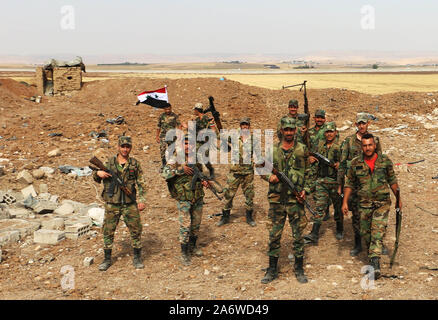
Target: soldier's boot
[(193, 250), (385, 251), (299, 271), (313, 236), (375, 263), (137, 259), (249, 219), (106, 261), (357, 245), (271, 272), (185, 256), (339, 230), (225, 218), (327, 215)]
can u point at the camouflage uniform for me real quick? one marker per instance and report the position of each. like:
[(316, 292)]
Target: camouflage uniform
[(298, 123), (351, 147), (119, 204), (373, 198), (189, 202), (166, 122)]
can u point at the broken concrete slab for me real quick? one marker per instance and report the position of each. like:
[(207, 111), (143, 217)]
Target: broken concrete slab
[(54, 198), (10, 236), (44, 196), (77, 206), (23, 227), (65, 209), (44, 188), (43, 207), (97, 215), (48, 236), (24, 177), (4, 213), (29, 190), (53, 224), (20, 213)]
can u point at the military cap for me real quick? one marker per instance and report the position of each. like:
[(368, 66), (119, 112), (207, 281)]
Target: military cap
[(288, 123), (198, 106), (330, 126), (125, 140), (320, 113), (245, 120), (293, 102), (362, 117)]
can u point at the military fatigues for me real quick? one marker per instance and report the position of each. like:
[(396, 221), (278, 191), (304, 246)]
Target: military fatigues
[(166, 122), (373, 198), (299, 124), (189, 202), (326, 187), (351, 147), (119, 204), (282, 203), (241, 174)]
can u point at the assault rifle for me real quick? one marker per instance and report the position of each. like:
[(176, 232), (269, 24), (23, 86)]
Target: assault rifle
[(326, 161), (398, 220), (214, 112), (198, 175), (115, 179)]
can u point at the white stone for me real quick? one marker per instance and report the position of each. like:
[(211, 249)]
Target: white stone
[(29, 190), (88, 261), (38, 173), (64, 209), (54, 153), (24, 177), (335, 267), (47, 170), (97, 215), (44, 188)]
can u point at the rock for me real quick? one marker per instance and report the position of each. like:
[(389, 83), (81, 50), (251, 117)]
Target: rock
[(29, 190), (54, 153), (4, 213), (44, 207), (20, 213), (9, 237), (77, 206), (335, 267), (65, 209), (53, 224), (88, 261), (47, 170), (206, 272), (24, 177), (38, 174)]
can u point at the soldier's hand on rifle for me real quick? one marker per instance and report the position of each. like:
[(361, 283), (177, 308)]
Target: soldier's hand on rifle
[(103, 174), (141, 206), (344, 208), (274, 179), (206, 184), (336, 165), (188, 170), (301, 196), (312, 159)]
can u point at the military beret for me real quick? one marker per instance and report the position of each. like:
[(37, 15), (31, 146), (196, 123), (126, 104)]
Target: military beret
[(125, 140), (288, 123), (320, 113), (330, 126), (293, 102), (362, 117)]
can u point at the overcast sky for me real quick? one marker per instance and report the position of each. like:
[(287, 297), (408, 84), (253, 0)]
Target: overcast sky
[(222, 26)]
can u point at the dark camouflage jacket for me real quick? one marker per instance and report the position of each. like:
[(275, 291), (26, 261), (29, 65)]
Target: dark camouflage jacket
[(245, 149), (294, 165), (131, 174), (179, 183), (371, 186), (167, 122), (299, 123), (324, 173)]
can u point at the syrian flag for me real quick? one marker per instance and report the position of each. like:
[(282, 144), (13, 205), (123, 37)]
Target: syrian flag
[(157, 98)]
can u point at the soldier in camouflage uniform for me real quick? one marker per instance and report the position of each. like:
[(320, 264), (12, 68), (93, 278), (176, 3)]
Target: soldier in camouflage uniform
[(293, 114), (119, 204), (168, 120), (290, 157), (189, 202), (369, 175), (241, 174), (327, 184), (203, 122), (351, 147)]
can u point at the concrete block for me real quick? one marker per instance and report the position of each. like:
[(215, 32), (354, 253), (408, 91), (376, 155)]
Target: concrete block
[(23, 227), (48, 236), (44, 188), (24, 177), (77, 206), (44, 196), (54, 198), (53, 224), (29, 190), (44, 207), (8, 198), (10, 236), (20, 213), (65, 209), (77, 230)]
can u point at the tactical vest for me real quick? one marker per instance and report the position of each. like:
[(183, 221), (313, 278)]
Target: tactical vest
[(180, 188)]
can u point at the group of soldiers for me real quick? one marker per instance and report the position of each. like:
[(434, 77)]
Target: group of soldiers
[(356, 177)]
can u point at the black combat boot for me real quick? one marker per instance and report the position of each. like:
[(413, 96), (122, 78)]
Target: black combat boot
[(137, 259), (249, 219), (327, 215), (106, 261), (272, 272), (375, 263), (193, 250), (185, 255), (339, 230), (225, 218), (313, 236), (357, 245), (299, 271)]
